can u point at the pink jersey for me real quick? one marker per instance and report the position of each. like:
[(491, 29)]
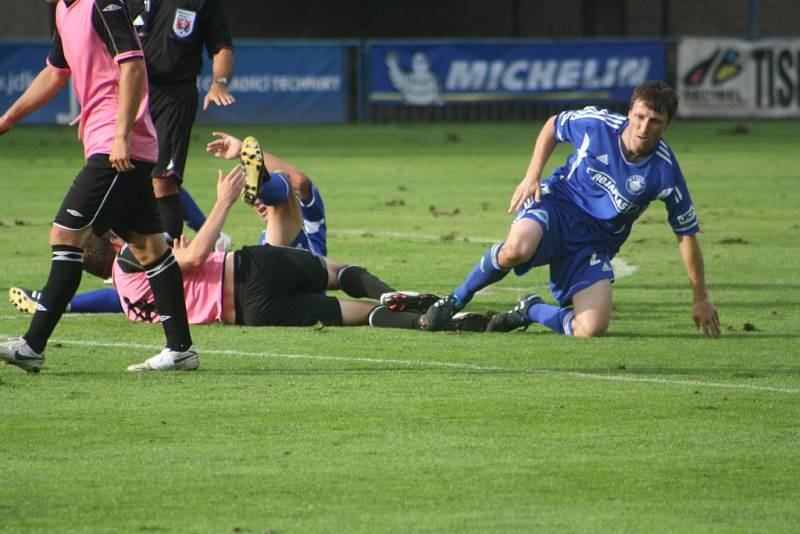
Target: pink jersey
[(95, 77), (203, 288)]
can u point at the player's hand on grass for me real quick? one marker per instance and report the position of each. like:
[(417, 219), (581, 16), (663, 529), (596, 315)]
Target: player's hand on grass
[(219, 95), (229, 186), (120, 157), (706, 317), (227, 146), (527, 188)]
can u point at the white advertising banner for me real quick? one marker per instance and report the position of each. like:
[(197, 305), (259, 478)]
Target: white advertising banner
[(739, 78)]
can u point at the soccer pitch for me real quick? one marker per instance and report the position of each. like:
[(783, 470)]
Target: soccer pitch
[(651, 428)]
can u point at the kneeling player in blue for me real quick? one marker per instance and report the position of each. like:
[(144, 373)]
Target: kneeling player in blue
[(578, 218)]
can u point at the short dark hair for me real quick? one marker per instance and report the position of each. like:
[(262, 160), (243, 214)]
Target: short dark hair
[(658, 96), (98, 255)]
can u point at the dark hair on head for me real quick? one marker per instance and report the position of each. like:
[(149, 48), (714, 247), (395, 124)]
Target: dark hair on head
[(658, 96), (98, 255)]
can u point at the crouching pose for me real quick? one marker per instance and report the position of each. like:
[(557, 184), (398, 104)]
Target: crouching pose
[(580, 217)]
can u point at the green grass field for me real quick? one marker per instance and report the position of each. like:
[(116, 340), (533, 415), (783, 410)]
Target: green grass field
[(651, 428)]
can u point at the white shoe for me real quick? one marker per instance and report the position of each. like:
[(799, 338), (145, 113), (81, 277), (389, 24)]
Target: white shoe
[(169, 360), (223, 243), (17, 352)]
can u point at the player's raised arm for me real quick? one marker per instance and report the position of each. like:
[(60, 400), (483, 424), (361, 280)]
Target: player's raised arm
[(47, 83), (704, 313), (191, 254), (530, 185), (225, 146)]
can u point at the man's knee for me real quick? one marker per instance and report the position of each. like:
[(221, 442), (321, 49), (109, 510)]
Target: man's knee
[(593, 326), (512, 253), (73, 238)]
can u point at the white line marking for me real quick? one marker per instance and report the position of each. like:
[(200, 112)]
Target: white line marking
[(450, 365), (621, 267)]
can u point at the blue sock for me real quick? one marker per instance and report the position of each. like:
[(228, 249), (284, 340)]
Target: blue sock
[(486, 272), (103, 300), (557, 319), (274, 191), (192, 214)]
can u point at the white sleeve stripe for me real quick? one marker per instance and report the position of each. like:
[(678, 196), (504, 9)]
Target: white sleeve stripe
[(684, 228), (665, 158), (601, 116), (601, 112)]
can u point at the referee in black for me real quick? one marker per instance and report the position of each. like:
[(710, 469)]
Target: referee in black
[(173, 34)]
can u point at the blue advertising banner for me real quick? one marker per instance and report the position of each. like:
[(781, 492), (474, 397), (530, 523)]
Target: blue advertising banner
[(429, 73), (283, 83), (20, 62), (272, 83)]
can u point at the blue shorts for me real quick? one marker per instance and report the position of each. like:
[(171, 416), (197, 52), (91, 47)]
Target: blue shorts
[(577, 258)]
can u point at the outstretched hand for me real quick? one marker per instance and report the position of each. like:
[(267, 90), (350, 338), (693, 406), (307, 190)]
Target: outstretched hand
[(219, 95), (227, 146), (527, 188), (229, 186), (705, 315)]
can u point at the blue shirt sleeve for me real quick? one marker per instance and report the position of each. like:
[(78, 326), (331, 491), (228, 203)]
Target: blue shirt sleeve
[(680, 210), (573, 125)]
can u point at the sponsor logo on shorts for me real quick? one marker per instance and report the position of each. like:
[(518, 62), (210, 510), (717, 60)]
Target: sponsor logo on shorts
[(110, 8), (75, 213)]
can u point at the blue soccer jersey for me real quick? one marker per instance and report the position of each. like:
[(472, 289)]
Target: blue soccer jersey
[(615, 192)]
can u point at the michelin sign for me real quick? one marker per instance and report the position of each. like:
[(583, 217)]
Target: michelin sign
[(438, 74)]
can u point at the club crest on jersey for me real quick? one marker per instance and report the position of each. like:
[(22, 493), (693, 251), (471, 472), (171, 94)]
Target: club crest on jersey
[(183, 26), (635, 184)]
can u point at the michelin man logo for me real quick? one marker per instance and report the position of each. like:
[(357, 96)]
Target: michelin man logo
[(418, 87)]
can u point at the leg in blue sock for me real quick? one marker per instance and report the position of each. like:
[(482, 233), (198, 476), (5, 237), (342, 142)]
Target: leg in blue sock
[(557, 319), (275, 190), (192, 214), (104, 300), (486, 272)]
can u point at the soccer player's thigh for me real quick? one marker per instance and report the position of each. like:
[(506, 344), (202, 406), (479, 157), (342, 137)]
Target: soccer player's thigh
[(286, 271), (592, 307), (173, 111), (89, 201), (521, 242)]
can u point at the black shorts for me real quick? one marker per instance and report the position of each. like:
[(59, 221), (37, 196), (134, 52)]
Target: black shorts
[(281, 286), (105, 199), (173, 109)]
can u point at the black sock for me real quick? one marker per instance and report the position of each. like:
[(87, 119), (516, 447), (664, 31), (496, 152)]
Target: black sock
[(358, 283), (166, 282), (65, 277), (169, 208), (383, 317)]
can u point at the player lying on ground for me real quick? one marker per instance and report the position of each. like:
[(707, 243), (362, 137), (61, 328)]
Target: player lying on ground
[(577, 219), (261, 285), (298, 221)]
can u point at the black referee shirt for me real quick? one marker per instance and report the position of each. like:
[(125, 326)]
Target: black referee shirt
[(173, 34)]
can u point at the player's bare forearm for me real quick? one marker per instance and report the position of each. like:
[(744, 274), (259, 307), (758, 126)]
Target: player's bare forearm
[(191, 255), (703, 311), (221, 67), (530, 184), (131, 90), (43, 88)]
